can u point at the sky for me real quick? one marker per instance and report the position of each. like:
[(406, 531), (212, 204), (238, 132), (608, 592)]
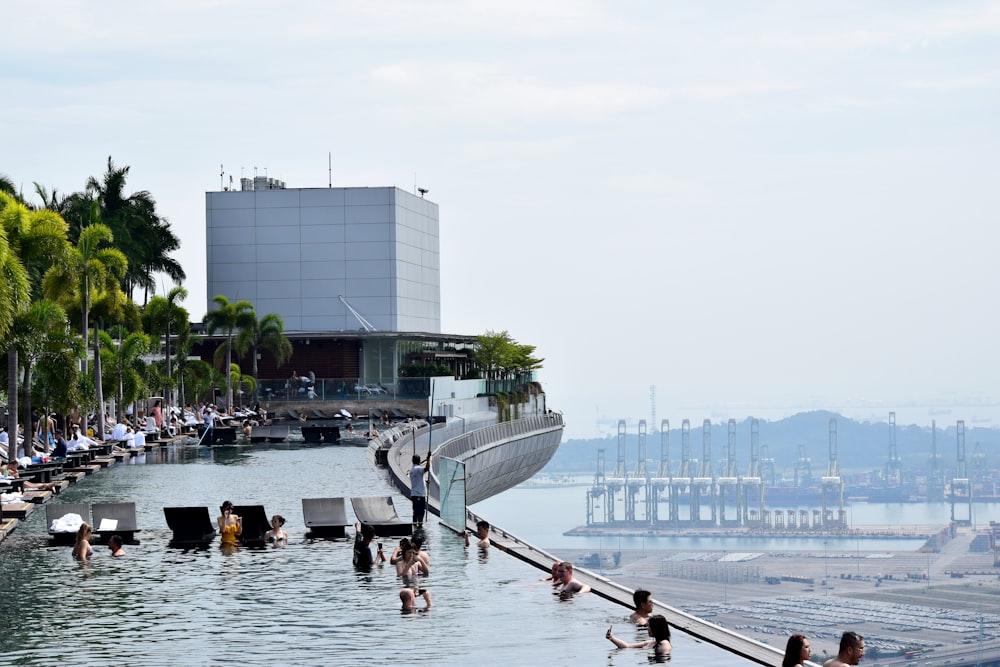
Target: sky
[(757, 208)]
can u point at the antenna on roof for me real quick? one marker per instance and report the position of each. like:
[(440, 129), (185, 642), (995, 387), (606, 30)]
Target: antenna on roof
[(329, 159), (222, 176)]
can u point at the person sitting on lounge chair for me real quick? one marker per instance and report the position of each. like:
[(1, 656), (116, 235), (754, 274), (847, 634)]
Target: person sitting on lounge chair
[(12, 473)]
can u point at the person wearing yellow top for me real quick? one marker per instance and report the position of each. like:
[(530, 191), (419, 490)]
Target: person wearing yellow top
[(230, 525)]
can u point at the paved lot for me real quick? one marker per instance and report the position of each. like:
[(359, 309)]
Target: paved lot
[(906, 611)]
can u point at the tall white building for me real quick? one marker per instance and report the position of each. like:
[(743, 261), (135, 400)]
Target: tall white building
[(294, 251)]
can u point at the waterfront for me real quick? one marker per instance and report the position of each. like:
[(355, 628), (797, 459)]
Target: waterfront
[(301, 604), (884, 588)]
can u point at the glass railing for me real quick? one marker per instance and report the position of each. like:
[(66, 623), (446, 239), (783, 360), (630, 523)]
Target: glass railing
[(307, 388)]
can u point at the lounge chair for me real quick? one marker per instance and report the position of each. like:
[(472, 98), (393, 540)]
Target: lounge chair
[(380, 513), (115, 519), (192, 526), (312, 434), (319, 414), (292, 413), (54, 511), (255, 524), (325, 517), (277, 433), (260, 433)]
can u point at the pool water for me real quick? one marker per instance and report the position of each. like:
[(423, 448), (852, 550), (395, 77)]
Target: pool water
[(300, 604)]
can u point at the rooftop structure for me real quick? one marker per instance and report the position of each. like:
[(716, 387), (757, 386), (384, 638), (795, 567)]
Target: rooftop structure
[(327, 259)]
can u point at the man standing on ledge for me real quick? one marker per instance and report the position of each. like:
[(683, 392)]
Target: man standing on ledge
[(418, 489), (852, 649)]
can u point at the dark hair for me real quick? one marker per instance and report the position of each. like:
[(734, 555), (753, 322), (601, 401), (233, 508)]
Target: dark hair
[(281, 519), (115, 541), (226, 505), (417, 541), (793, 651), (849, 639), (367, 531), (659, 628), (482, 523), (639, 596), (416, 459)]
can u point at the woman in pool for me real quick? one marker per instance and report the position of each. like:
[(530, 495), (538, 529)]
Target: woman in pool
[(82, 550), (797, 652), (276, 535), (230, 525), (659, 633)]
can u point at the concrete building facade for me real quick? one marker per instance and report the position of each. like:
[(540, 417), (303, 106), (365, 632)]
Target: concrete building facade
[(295, 251)]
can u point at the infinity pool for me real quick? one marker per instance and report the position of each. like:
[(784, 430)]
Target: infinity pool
[(302, 604)]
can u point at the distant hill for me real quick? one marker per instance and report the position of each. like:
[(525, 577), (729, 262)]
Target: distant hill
[(860, 445)]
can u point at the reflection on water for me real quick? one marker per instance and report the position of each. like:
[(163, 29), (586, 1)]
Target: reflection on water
[(298, 604)]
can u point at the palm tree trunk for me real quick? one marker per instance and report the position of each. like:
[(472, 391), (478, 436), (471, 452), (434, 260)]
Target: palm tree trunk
[(85, 318), (29, 431), (98, 385), (229, 378), (12, 400), (170, 384)]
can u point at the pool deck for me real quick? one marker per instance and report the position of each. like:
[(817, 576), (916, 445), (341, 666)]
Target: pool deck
[(750, 649), (71, 473)]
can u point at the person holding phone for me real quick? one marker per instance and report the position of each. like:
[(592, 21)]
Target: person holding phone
[(230, 525), (659, 633)]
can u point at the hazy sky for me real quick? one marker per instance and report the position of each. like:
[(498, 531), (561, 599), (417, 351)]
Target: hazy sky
[(754, 206)]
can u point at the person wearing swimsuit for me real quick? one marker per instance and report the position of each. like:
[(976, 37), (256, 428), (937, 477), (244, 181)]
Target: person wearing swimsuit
[(230, 525), (82, 550), (276, 535)]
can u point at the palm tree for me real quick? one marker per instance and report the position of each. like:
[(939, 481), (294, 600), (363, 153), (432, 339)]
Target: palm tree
[(29, 242), (14, 294), (144, 237), (7, 186), (185, 343), (42, 337), (267, 333), (122, 362), (228, 317), (163, 314), (91, 275), (242, 381)]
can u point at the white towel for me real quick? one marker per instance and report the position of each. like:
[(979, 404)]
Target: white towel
[(67, 523)]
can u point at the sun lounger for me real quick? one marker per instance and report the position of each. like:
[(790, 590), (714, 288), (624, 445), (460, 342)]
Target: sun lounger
[(292, 413), (312, 433), (255, 524), (115, 519), (325, 517), (319, 414), (225, 435), (380, 513), (192, 526), (260, 433), (54, 511), (277, 433)]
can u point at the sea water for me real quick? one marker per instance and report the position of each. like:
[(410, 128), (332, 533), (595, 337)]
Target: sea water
[(300, 604), (541, 516)]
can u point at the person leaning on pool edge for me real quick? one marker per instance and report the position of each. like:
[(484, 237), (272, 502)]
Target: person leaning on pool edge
[(852, 649), (797, 651), (643, 603)]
